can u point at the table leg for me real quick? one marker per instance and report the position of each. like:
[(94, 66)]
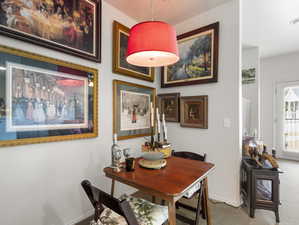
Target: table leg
[(112, 187), (171, 212), (206, 199)]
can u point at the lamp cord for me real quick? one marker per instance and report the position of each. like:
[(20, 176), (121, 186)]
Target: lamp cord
[(152, 10)]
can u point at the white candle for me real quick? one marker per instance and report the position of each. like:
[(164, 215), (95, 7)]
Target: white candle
[(164, 126), (152, 115), (158, 120)]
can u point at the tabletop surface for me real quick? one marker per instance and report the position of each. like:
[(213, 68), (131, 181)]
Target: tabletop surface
[(178, 175)]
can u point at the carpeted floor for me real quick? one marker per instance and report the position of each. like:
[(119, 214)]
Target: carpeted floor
[(223, 214)]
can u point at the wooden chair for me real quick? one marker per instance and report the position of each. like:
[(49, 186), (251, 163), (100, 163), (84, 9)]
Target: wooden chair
[(110, 210), (196, 190)]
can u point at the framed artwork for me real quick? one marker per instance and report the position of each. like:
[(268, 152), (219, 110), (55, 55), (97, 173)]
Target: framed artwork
[(248, 76), (194, 111), (198, 64), (120, 65), (131, 109), (169, 104), (69, 26), (44, 99)]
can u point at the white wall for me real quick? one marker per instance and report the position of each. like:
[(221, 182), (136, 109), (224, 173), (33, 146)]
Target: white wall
[(251, 59), (221, 144), (40, 184), (275, 70)]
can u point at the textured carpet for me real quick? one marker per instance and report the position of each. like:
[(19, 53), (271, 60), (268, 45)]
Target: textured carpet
[(223, 214)]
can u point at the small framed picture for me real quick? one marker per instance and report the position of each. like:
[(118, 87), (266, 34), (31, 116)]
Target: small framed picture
[(248, 76), (169, 104), (120, 65), (131, 109), (194, 111)]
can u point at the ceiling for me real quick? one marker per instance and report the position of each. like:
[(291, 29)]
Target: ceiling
[(266, 24), (171, 11)]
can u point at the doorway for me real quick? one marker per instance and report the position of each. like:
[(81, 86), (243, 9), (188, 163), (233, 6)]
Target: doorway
[(287, 120)]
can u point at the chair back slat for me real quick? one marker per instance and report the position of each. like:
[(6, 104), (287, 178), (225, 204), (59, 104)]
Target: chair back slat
[(190, 155), (99, 198)]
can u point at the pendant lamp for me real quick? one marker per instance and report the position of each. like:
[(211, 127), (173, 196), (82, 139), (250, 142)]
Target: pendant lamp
[(152, 44)]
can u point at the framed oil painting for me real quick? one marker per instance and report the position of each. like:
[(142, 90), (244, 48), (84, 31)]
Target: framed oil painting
[(131, 109), (169, 104), (194, 111), (198, 64), (120, 65), (44, 99), (248, 76), (70, 26)]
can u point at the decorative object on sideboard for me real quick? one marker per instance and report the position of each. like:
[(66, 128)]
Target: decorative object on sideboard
[(46, 99), (198, 62), (169, 105), (248, 76), (194, 111), (152, 44), (120, 65), (131, 109), (71, 28)]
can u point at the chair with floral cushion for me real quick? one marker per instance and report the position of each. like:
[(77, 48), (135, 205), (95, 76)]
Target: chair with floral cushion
[(127, 210), (196, 190)]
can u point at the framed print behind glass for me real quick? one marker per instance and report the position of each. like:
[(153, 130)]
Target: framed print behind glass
[(44, 99), (131, 109)]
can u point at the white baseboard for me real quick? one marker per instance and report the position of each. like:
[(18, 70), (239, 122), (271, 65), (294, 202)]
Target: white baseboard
[(80, 218), (218, 198)]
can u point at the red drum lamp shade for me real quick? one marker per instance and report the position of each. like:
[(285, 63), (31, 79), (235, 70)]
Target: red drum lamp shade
[(152, 44)]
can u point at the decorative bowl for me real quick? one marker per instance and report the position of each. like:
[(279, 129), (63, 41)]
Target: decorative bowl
[(153, 156)]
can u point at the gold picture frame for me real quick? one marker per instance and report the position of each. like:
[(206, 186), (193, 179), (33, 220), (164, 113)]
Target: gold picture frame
[(127, 98), (65, 74), (120, 66)]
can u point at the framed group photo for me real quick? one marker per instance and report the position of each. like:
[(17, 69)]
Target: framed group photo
[(69, 26), (131, 109), (120, 65), (44, 99), (194, 111), (198, 64), (169, 104)]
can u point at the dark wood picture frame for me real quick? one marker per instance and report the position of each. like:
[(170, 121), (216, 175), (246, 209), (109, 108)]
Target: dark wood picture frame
[(33, 61), (199, 106), (47, 43), (133, 88), (175, 108), (214, 30), (143, 73)]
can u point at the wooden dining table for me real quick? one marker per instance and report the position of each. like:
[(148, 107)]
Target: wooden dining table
[(169, 183)]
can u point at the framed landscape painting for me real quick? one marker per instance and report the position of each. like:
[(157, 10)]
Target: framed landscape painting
[(120, 65), (70, 26), (169, 104), (248, 76), (44, 99), (198, 64), (131, 109), (194, 111)]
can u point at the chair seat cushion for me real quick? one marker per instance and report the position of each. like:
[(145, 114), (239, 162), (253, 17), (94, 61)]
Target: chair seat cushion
[(146, 213), (192, 190)]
